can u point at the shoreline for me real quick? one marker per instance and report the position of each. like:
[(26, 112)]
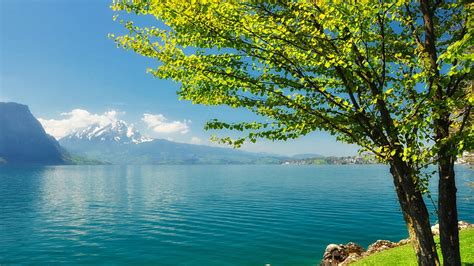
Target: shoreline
[(344, 254)]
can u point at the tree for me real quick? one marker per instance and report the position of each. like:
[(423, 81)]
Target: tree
[(385, 76)]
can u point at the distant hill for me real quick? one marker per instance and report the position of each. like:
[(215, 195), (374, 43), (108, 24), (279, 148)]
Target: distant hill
[(467, 158), (23, 139), (119, 143), (359, 159), (306, 156)]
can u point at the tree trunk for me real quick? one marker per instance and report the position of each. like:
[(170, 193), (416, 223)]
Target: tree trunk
[(447, 210), (415, 214)]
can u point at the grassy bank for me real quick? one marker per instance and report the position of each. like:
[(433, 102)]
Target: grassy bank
[(404, 255)]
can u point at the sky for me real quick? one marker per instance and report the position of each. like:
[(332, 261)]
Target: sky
[(56, 58)]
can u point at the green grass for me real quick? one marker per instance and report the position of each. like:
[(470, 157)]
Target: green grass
[(404, 255)]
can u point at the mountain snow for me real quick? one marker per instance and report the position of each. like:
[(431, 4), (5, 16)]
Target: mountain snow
[(116, 131)]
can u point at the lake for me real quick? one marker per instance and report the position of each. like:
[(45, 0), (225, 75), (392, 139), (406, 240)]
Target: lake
[(198, 214)]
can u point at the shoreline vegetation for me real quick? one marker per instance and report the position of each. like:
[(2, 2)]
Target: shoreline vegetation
[(385, 252), (336, 160), (467, 158)]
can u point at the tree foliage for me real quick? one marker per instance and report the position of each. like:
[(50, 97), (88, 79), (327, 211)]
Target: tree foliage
[(365, 73), (393, 77)]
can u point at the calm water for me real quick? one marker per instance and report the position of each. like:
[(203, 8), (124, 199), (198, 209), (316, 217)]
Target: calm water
[(197, 215)]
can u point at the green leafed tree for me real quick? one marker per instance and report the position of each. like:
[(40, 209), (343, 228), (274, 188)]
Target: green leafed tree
[(390, 77)]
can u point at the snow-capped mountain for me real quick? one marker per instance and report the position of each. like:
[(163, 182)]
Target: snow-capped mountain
[(120, 143), (116, 131)]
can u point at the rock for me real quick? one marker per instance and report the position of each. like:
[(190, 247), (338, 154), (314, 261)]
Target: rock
[(464, 225), (351, 258), (435, 229), (331, 247), (461, 225), (380, 245), (339, 254), (333, 255), (336, 255), (353, 248), (404, 241)]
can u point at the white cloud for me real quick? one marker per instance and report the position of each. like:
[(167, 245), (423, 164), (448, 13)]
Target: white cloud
[(76, 119), (196, 140), (160, 124)]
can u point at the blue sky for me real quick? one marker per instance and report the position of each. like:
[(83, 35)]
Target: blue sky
[(55, 57)]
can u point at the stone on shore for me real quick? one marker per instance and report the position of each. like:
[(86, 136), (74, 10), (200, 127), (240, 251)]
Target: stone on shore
[(380, 245), (341, 254), (461, 225), (464, 225), (435, 229), (336, 255), (404, 241)]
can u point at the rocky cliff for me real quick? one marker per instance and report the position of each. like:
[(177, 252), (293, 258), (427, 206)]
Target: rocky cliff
[(23, 139)]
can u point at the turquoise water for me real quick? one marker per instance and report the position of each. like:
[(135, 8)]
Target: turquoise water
[(197, 215)]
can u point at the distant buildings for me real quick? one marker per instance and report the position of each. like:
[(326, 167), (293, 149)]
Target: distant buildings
[(467, 158), (360, 159)]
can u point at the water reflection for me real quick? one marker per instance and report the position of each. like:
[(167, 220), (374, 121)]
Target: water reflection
[(197, 214)]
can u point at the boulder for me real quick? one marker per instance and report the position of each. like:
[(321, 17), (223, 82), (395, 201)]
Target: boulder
[(336, 255), (353, 248), (351, 258), (339, 254), (461, 225), (404, 241), (333, 255), (464, 225), (435, 229), (380, 245)]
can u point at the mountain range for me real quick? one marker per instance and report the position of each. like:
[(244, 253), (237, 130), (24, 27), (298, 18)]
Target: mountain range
[(120, 143), (115, 132), (23, 140)]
